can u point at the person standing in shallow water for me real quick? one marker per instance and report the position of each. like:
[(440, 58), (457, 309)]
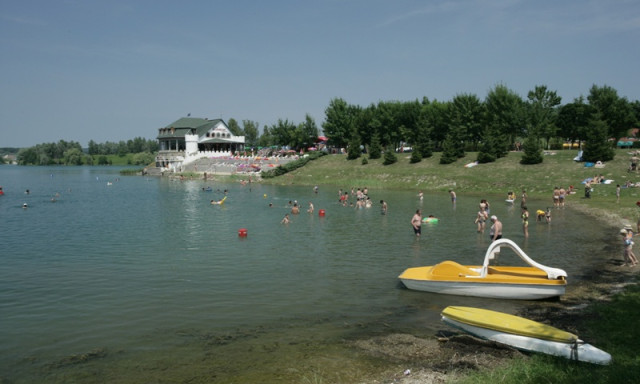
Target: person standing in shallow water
[(481, 218), (525, 222), (416, 222), (496, 229), (383, 207)]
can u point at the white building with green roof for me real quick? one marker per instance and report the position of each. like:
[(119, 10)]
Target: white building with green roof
[(191, 138)]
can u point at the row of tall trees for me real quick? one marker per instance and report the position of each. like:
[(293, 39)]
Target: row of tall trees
[(71, 152), (136, 145), (492, 126), (284, 133), (62, 152)]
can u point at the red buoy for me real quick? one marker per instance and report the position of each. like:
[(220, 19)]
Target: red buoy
[(321, 212), (242, 232)]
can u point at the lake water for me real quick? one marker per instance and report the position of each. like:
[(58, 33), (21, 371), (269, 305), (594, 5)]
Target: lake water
[(144, 281)]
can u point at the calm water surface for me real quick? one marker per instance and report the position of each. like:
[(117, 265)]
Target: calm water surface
[(144, 281)]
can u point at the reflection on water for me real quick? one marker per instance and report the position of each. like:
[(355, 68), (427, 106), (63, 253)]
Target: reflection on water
[(144, 279)]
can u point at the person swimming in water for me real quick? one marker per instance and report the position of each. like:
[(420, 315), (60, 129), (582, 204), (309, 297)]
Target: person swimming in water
[(219, 202)]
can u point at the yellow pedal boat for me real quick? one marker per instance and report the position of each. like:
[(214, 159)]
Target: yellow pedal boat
[(534, 282)]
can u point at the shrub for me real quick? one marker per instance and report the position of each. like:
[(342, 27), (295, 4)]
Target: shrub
[(532, 152), (389, 157), (375, 150), (415, 157), (485, 157), (292, 166)]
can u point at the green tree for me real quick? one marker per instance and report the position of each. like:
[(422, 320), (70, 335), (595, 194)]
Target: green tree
[(449, 150), (354, 151), (465, 115), (283, 133), (504, 119), (422, 138), (635, 106), (266, 139), (389, 157), (573, 120), (542, 110), (27, 156), (385, 116), (416, 157), (435, 121), (375, 150), (408, 119), (137, 145), (250, 129), (338, 124), (94, 148), (366, 124), (532, 151), (152, 146), (308, 132), (234, 127), (111, 148), (143, 158), (616, 112), (489, 146), (425, 148), (123, 148), (73, 156), (597, 146)]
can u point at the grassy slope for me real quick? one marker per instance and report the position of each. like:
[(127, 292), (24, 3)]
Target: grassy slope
[(484, 179), (615, 322)]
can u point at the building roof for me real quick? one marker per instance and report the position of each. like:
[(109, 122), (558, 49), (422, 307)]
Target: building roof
[(188, 125)]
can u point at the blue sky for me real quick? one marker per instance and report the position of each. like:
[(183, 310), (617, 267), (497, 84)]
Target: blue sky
[(114, 70)]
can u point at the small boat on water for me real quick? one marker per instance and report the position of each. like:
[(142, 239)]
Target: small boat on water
[(523, 334), (534, 282)]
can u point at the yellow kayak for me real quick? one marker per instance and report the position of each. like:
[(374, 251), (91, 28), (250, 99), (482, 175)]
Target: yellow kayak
[(523, 334), (504, 322)]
